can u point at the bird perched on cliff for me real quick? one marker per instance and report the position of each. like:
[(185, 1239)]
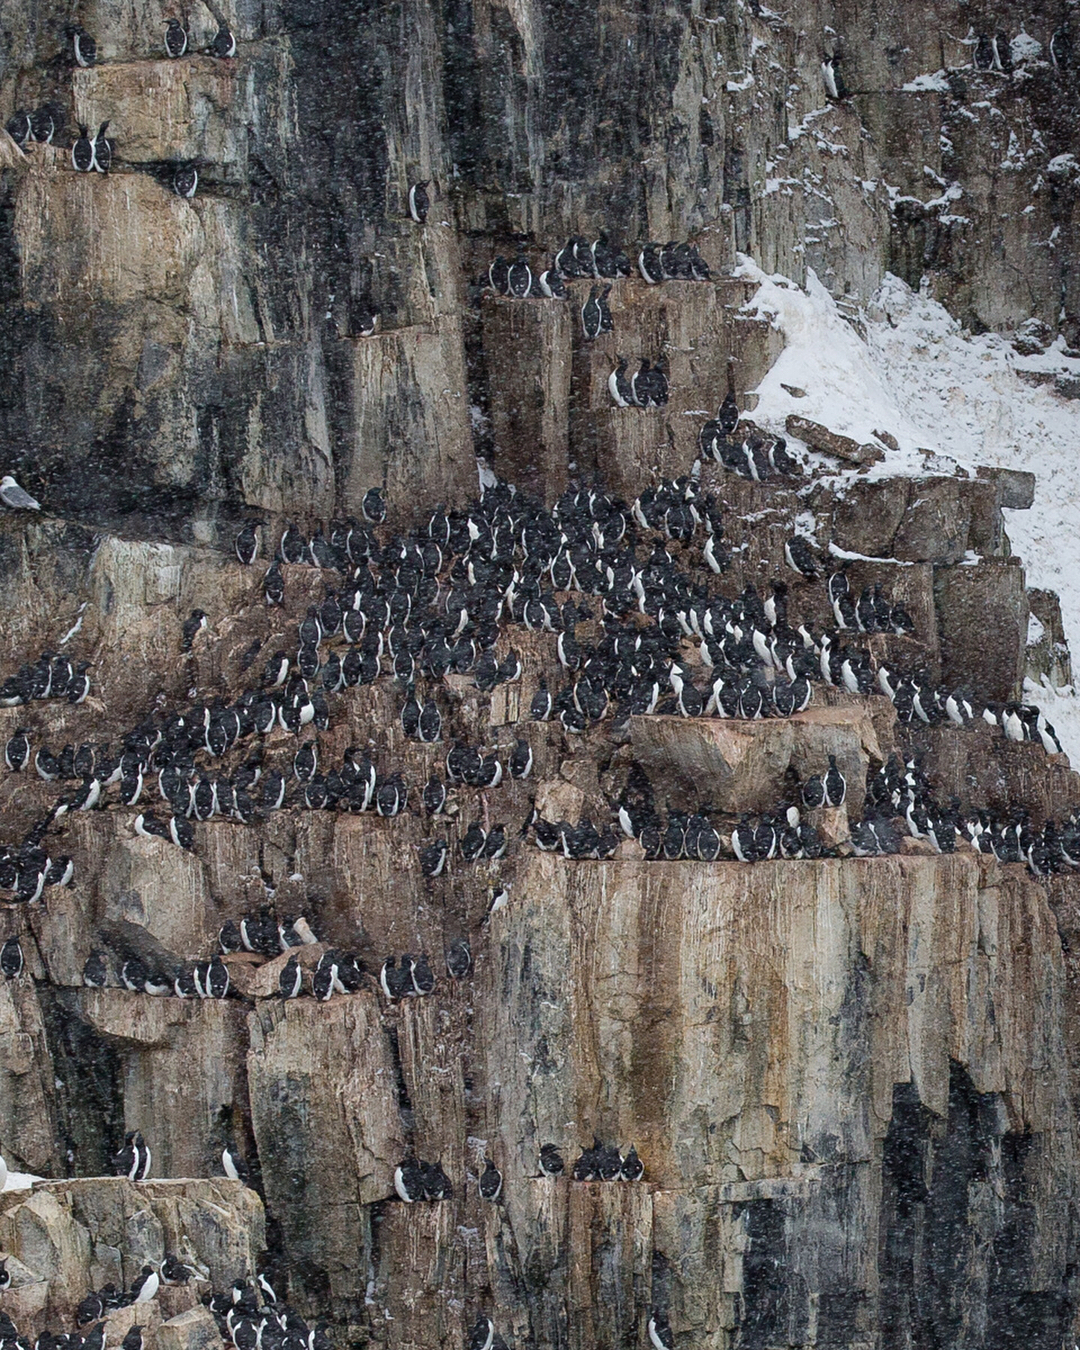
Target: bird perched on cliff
[(409, 1180), (145, 1285), (11, 958), (591, 314), (5, 1275), (551, 1161), (633, 1169), (499, 275), (103, 149), (835, 784), (83, 46), (459, 959), (174, 1271), (233, 1164), (176, 39), (20, 128), (800, 556), (490, 1182), (551, 285), (133, 1340), (291, 979), (419, 201), (17, 750), (223, 45), (185, 181), (660, 1330), (246, 543), (14, 497), (194, 624), (96, 971), (433, 858), (519, 277), (482, 1334), (833, 78), (984, 52), (373, 506)]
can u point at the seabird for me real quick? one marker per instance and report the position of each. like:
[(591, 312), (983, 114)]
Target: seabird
[(482, 1334), (185, 181), (551, 1161), (490, 1182), (193, 625), (95, 971), (649, 264), (620, 388), (633, 1169), (133, 1340), (176, 39), (472, 842), (174, 1271), (224, 44), (834, 784), (291, 979), (434, 795), (660, 1331), (145, 1285), (519, 277), (409, 1180), (232, 1164), (103, 150), (11, 958), (433, 858), (551, 285), (20, 128), (591, 315), (84, 48), (800, 556), (499, 275), (11, 494), (459, 960), (246, 543), (373, 507), (419, 201), (17, 750), (833, 79)]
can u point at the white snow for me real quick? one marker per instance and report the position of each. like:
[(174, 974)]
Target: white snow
[(20, 1181), (953, 402)]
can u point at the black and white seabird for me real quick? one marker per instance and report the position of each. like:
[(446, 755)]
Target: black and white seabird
[(482, 1335), (499, 275), (5, 1274), (800, 556), (103, 150), (246, 544), (433, 858), (95, 971), (291, 979), (835, 784), (84, 48), (373, 506), (551, 284), (592, 315), (633, 1169), (833, 79), (620, 388), (185, 181), (459, 960), (217, 981), (145, 1285), (224, 44), (419, 201), (232, 1163), (409, 1180), (82, 153), (17, 750), (133, 1340), (660, 1331), (984, 52), (176, 39), (472, 842), (649, 264), (519, 277), (551, 1161), (11, 958), (490, 1182), (20, 128), (194, 624)]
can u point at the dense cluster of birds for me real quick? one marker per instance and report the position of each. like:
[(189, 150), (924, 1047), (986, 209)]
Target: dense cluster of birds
[(601, 260), (754, 454), (50, 676)]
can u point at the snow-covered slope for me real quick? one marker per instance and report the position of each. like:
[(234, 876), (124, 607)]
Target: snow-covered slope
[(921, 378)]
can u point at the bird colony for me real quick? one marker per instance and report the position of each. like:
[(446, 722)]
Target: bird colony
[(589, 615)]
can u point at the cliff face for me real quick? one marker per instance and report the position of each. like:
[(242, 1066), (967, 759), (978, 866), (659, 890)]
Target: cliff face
[(852, 1080)]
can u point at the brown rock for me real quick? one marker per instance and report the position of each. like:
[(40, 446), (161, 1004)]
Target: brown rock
[(935, 524), (866, 518), (828, 442), (983, 621), (194, 1329)]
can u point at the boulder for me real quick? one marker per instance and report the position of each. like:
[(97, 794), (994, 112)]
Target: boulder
[(832, 443)]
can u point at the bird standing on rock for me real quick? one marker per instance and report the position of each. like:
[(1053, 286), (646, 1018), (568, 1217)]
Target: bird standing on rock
[(14, 497), (176, 39)]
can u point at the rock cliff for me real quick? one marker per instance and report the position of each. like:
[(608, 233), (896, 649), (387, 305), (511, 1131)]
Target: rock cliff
[(852, 1080)]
